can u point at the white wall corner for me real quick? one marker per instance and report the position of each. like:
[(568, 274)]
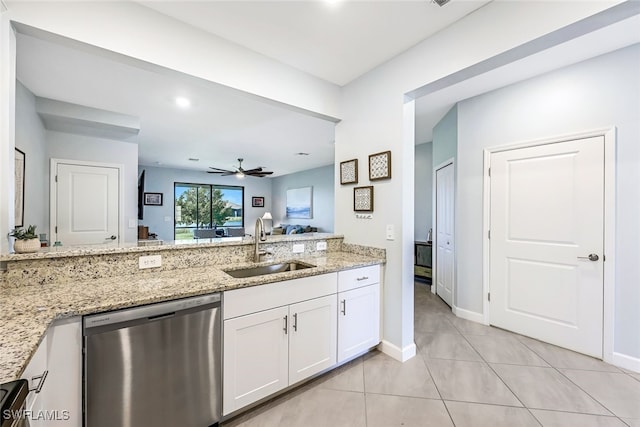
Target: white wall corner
[(400, 354), (468, 315), (624, 361)]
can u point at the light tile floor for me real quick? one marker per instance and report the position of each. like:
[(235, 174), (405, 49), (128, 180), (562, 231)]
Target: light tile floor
[(464, 375)]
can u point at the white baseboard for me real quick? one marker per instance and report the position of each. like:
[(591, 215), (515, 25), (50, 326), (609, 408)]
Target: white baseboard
[(626, 362), (467, 314), (400, 354)]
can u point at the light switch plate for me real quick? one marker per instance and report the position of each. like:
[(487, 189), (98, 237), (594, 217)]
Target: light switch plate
[(321, 246), (391, 233), (298, 248), (150, 261), (167, 218), (133, 223)]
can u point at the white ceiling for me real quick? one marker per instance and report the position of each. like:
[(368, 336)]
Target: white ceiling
[(224, 124), (221, 125), (336, 41)]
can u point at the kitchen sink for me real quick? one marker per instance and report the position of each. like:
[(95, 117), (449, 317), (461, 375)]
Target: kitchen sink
[(268, 269)]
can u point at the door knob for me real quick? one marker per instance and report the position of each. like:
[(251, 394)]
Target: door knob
[(591, 257), (111, 238)]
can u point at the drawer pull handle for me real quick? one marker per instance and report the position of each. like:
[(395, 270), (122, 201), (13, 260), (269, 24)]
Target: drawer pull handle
[(286, 326), (344, 307), (295, 322), (42, 377), (362, 278)]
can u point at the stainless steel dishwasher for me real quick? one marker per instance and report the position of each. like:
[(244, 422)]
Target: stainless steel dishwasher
[(154, 365)]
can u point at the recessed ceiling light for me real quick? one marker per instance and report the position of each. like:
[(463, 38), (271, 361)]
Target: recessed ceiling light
[(183, 102), (301, 154), (332, 2)]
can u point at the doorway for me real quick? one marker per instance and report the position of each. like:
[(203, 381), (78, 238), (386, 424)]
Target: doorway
[(85, 203), (445, 231), (546, 241)]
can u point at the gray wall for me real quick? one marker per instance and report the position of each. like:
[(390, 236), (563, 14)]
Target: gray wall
[(86, 148), (423, 190), (322, 180), (160, 219), (598, 93), (445, 137), (31, 139)]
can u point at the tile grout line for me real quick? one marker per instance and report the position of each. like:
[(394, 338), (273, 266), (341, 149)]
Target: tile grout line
[(578, 386)]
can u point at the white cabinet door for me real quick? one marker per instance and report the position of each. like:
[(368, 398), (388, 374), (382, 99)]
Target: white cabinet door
[(59, 357), (255, 357), (312, 337), (36, 374), (358, 321), (62, 393)]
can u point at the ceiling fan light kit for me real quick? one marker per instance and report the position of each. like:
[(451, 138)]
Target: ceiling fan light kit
[(240, 172)]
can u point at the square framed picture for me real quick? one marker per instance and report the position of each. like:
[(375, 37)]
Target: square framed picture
[(257, 202), (153, 199), (349, 172), (363, 199), (380, 166)]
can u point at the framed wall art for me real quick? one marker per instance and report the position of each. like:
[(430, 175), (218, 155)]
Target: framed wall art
[(257, 202), (300, 202), (380, 166), (153, 199), (19, 189), (349, 172), (363, 199)]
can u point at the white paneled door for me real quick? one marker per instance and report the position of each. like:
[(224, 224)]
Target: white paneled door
[(86, 204), (445, 236), (546, 245)]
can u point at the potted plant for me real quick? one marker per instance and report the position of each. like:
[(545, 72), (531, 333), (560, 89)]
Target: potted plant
[(26, 240)]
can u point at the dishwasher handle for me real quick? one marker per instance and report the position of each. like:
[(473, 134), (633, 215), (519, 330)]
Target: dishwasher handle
[(162, 316)]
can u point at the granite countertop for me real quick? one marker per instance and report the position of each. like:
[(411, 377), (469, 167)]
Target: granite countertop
[(77, 251), (26, 312)]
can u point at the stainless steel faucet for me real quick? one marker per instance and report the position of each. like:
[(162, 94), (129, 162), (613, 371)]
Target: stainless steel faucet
[(260, 236)]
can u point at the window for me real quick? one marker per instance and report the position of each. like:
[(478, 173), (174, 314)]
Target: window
[(206, 206)]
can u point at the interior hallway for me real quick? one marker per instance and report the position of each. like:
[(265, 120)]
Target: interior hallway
[(464, 375)]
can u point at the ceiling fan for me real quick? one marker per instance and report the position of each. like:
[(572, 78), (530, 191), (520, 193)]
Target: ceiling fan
[(240, 172)]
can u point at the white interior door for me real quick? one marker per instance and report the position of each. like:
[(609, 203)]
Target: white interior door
[(546, 246), (445, 236), (86, 204)]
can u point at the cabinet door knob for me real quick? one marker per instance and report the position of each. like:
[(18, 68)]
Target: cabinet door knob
[(344, 307), (295, 322), (286, 325)]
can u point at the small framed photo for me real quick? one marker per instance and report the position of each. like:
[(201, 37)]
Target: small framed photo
[(257, 202), (349, 172), (380, 166), (363, 199), (153, 199)]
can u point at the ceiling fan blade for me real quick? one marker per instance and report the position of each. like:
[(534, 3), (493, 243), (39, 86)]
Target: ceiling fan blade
[(218, 169), (252, 170), (261, 174), (228, 173), (215, 172)]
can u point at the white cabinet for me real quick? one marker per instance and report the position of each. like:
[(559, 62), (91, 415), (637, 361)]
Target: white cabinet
[(312, 337), (358, 311), (268, 350), (56, 369), (255, 357)]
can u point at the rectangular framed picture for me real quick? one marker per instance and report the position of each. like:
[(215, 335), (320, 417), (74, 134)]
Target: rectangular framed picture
[(300, 202), (19, 188), (349, 172), (363, 199), (380, 166), (257, 202), (153, 199)]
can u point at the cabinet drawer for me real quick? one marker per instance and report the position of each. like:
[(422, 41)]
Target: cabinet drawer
[(239, 302), (358, 277)]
